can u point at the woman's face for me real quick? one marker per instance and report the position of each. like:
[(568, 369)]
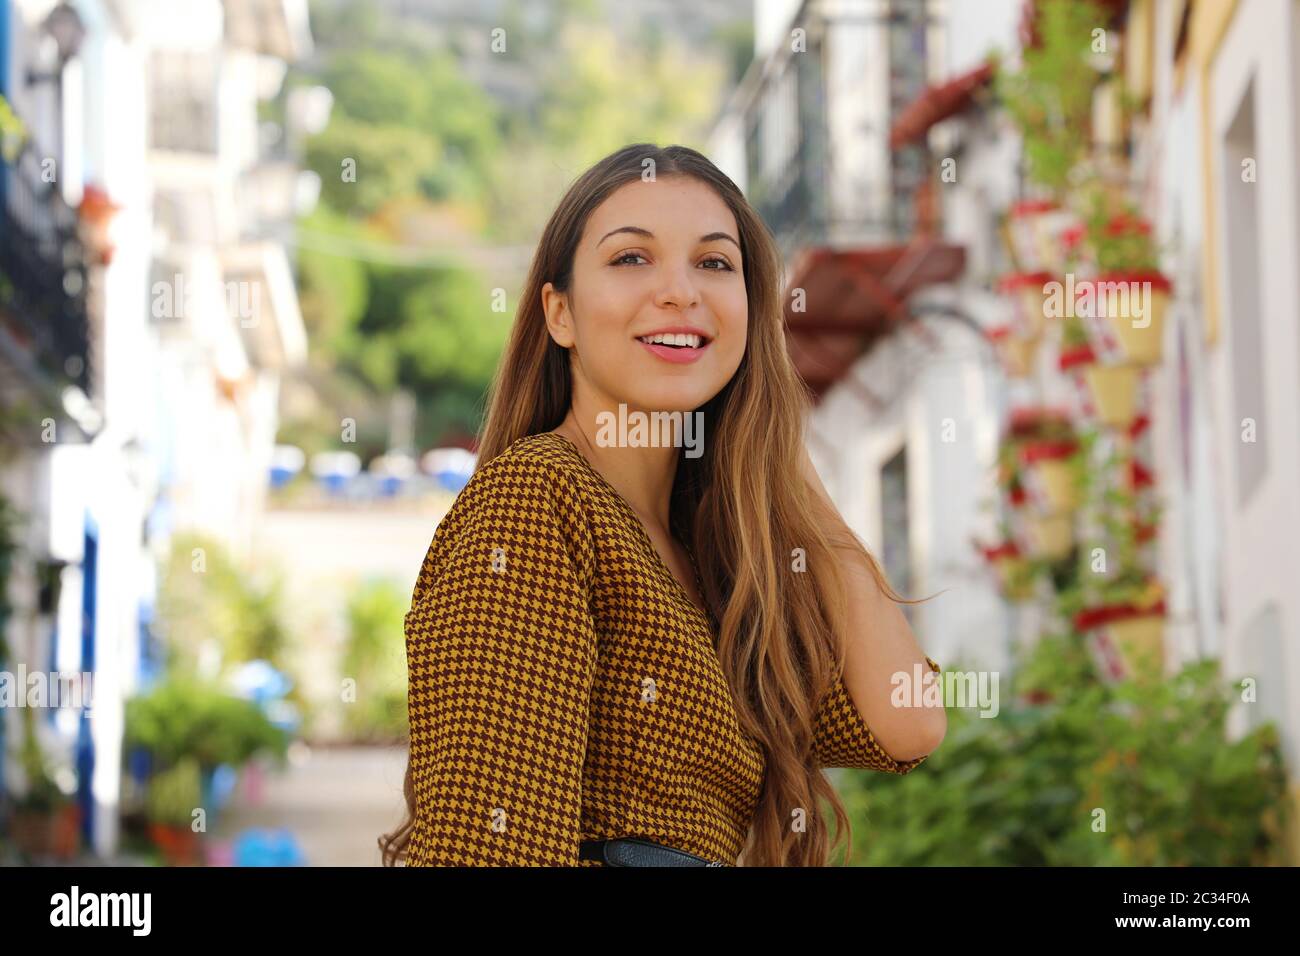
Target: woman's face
[(653, 256)]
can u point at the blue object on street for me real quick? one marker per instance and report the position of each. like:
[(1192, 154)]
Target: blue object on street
[(267, 848)]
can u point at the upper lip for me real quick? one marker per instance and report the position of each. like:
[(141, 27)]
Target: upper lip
[(675, 329)]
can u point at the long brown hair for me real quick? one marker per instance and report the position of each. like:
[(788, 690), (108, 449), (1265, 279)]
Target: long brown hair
[(743, 503)]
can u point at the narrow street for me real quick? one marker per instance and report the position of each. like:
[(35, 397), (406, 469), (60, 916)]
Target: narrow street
[(335, 801)]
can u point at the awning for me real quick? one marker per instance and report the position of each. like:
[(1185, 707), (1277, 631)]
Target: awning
[(937, 104), (852, 297)]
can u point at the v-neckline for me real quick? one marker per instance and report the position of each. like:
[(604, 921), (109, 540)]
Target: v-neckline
[(645, 535)]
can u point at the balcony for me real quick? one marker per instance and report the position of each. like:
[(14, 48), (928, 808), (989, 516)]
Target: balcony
[(855, 215), (43, 323), (183, 90)]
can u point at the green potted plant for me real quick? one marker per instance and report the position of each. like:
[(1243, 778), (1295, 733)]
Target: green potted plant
[(45, 823), (1049, 96), (1125, 300), (1036, 466), (1015, 571), (1117, 603), (1111, 392), (1016, 350), (196, 725), (173, 796), (1029, 290)]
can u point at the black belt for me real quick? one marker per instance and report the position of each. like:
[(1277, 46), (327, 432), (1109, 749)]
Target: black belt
[(629, 851)]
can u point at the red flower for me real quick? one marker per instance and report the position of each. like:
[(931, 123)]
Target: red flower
[(1007, 549), (1078, 355), (1033, 451), (1015, 281), (1140, 476), (1125, 224), (1093, 617)]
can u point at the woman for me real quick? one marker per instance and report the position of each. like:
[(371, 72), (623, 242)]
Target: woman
[(619, 638)]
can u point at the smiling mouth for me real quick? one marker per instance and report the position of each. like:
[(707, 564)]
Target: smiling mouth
[(684, 341)]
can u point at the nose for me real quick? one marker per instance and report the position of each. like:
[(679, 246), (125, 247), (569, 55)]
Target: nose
[(677, 289)]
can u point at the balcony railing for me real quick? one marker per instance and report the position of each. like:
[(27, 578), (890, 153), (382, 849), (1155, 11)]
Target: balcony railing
[(183, 102), (43, 271), (811, 186)]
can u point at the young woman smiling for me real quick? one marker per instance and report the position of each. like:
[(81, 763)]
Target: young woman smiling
[(616, 650)]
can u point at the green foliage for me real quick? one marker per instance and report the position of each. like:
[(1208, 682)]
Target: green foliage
[(1020, 789), (175, 793), (375, 658), (388, 161), (185, 718), (333, 290), (1050, 96), (441, 163), (1113, 512), (42, 793), (1115, 236), (13, 132), (207, 597), (10, 520)]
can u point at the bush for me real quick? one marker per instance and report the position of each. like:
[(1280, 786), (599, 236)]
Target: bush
[(206, 597), (1025, 788), (376, 659), (182, 717)]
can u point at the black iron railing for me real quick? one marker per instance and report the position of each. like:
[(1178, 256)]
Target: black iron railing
[(796, 175), (43, 270)]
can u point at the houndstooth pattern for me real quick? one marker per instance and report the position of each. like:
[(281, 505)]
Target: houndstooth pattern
[(564, 687)]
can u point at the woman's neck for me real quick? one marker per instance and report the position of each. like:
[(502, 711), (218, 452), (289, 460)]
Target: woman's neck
[(642, 475)]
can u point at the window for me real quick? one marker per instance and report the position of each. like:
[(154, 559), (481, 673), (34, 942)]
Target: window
[(896, 546), (183, 102), (1244, 306)]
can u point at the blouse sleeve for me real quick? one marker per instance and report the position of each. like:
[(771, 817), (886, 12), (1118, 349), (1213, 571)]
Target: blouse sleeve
[(501, 652), (841, 738)]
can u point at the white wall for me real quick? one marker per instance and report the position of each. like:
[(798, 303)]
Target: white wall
[(1262, 518), (937, 400)]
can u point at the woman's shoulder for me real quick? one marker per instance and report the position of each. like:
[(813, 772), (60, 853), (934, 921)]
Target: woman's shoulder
[(527, 497), (535, 475), (529, 465)]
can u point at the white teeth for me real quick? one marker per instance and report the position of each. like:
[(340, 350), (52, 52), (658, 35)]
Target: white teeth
[(668, 338)]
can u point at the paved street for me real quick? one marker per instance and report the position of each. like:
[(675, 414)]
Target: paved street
[(334, 800)]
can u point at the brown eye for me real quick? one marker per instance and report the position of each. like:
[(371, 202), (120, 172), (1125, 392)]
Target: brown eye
[(726, 266), (627, 255)]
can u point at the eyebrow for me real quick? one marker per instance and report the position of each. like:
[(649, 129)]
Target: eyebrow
[(637, 230)]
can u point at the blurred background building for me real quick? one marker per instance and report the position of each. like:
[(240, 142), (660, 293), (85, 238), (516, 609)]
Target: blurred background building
[(883, 165), (149, 313)]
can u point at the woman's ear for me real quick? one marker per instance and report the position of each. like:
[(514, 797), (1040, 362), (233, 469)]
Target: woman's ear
[(559, 319)]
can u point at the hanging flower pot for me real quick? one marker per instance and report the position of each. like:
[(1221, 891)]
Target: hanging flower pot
[(1029, 291), (1048, 536), (1127, 638), (1125, 313), (1111, 392), (1049, 473), (1014, 571), (1035, 228), (1016, 352)]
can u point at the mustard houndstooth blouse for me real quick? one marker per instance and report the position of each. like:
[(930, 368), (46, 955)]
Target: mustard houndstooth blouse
[(564, 686)]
